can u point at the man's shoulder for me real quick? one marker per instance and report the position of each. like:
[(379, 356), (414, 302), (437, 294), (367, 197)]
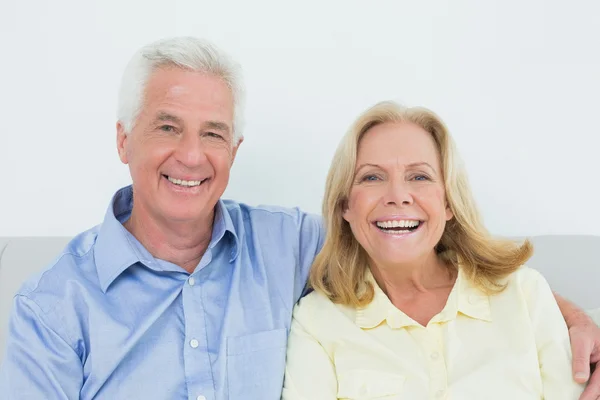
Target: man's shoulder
[(265, 214), (73, 264)]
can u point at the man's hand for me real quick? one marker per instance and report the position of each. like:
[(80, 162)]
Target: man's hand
[(585, 344)]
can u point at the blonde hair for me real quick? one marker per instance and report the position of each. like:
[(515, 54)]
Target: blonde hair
[(339, 269)]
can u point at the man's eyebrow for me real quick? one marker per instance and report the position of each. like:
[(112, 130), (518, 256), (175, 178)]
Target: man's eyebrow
[(166, 117), (217, 125)]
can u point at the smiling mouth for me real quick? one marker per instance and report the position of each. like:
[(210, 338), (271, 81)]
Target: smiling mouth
[(398, 227), (184, 183)]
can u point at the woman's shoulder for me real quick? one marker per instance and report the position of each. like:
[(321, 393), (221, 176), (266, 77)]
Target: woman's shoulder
[(317, 308), (316, 303), (526, 283), (526, 277), (313, 301)]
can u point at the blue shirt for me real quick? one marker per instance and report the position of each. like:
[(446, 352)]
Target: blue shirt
[(109, 321)]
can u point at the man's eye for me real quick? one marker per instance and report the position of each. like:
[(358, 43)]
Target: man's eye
[(167, 128), (214, 135)]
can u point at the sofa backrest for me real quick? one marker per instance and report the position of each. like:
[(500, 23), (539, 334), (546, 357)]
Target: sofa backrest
[(569, 264)]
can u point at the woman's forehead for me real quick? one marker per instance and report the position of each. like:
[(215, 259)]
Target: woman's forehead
[(393, 142)]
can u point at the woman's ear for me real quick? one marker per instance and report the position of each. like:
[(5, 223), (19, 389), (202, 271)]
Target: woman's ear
[(449, 213), (344, 207)]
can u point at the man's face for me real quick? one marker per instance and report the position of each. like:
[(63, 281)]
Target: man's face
[(181, 149)]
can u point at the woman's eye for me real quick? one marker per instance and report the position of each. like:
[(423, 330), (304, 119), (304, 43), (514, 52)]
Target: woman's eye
[(421, 178), (371, 178)]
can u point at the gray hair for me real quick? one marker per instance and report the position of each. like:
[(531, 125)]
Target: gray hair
[(184, 52)]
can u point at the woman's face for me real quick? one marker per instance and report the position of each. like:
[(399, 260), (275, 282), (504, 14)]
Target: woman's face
[(397, 206)]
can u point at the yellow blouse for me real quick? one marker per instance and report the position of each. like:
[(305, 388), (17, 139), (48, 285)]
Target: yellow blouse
[(509, 346)]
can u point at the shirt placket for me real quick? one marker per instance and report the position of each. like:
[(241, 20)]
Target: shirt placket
[(198, 370), (434, 352)]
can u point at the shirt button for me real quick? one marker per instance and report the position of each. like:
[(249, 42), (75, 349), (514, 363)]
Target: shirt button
[(200, 398), (191, 281), (439, 394), (435, 355), (194, 343)]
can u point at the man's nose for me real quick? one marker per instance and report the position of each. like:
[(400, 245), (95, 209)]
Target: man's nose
[(190, 150)]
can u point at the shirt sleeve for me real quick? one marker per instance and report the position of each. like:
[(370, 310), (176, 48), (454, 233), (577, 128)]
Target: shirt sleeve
[(309, 372), (552, 339), (39, 363), (311, 236)]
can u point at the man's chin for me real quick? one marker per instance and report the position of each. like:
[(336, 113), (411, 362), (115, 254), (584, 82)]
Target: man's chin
[(176, 209), (179, 218)]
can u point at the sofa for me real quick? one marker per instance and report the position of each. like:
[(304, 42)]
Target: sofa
[(568, 262)]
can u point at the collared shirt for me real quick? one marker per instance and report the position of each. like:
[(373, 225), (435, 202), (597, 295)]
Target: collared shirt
[(513, 345), (109, 321)]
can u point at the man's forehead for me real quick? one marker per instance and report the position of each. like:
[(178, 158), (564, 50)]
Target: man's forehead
[(178, 81), (187, 96), (162, 115), (177, 89)]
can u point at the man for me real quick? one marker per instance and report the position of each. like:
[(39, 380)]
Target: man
[(177, 294)]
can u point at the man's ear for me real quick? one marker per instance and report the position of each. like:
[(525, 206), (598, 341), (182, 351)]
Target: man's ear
[(122, 141), (235, 149)]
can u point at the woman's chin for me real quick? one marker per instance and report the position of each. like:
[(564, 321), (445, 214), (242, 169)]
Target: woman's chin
[(396, 260)]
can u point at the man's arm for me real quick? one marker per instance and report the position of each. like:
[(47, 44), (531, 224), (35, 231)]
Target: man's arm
[(312, 236), (39, 363), (585, 344)]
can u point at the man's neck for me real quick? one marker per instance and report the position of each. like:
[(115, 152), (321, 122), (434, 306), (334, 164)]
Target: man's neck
[(182, 244)]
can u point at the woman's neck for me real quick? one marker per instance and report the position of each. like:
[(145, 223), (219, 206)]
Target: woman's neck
[(418, 276), (419, 289)]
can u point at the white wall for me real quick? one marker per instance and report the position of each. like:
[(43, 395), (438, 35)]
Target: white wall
[(516, 81)]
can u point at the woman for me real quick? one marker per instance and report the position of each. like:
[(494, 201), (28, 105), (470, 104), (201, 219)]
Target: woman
[(412, 297)]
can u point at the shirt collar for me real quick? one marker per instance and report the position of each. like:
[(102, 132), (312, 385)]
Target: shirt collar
[(114, 251), (464, 298), (223, 224)]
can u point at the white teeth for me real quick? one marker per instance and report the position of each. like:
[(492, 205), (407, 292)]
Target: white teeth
[(398, 224), (181, 182)]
